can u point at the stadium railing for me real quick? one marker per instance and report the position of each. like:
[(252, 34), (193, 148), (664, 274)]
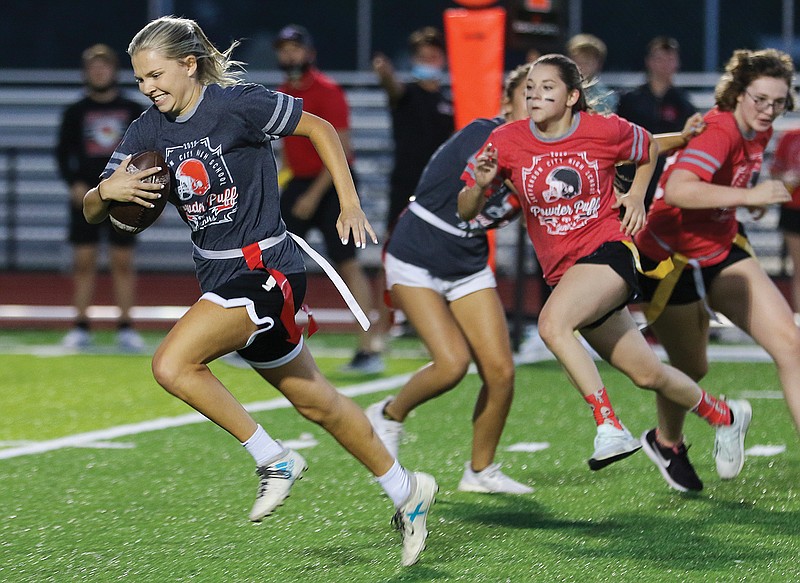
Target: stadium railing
[(33, 199)]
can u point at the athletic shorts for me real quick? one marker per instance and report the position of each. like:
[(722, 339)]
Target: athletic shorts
[(402, 273), (269, 346), (789, 220), (618, 257), (324, 219), (83, 233), (685, 291)]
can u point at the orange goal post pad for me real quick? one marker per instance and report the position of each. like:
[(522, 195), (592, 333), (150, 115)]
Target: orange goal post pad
[(475, 40)]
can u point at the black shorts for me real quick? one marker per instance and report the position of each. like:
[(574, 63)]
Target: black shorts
[(685, 291), (618, 257), (324, 219), (268, 347), (789, 220), (83, 233)]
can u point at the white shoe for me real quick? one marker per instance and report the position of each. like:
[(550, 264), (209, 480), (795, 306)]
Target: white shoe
[(276, 480), (130, 340), (76, 339), (729, 440), (533, 348), (611, 445), (390, 432), (490, 480), (411, 518)]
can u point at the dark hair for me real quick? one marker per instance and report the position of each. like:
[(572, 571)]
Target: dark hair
[(569, 73), (426, 36), (514, 79), (663, 43), (746, 66), (294, 33)]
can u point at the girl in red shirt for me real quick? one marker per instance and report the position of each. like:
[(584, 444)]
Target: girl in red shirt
[(562, 162), (692, 223), (786, 167)]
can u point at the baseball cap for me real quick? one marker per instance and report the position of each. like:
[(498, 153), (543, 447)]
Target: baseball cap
[(294, 33), (663, 43)]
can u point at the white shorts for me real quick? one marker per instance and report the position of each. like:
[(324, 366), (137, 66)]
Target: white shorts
[(402, 273)]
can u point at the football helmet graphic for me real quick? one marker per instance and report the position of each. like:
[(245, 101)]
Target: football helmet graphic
[(563, 182), (192, 178)]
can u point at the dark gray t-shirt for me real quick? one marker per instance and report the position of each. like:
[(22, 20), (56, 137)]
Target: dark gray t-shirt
[(227, 186), (415, 241)]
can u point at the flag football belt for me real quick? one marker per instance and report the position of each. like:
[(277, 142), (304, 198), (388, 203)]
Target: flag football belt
[(436, 221), (252, 256), (670, 270)]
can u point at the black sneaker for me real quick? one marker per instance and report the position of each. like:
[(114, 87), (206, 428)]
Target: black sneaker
[(673, 463)]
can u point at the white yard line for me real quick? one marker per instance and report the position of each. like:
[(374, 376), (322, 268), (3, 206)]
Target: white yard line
[(28, 313), (91, 438), (96, 438)]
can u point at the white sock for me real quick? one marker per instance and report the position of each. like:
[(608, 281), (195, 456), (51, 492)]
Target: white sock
[(396, 483), (262, 447)]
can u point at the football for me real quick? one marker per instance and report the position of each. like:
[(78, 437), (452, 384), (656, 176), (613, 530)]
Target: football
[(501, 208), (129, 217)]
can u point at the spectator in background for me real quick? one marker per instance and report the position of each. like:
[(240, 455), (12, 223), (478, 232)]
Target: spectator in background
[(589, 53), (309, 199), (422, 119), (90, 130), (422, 114), (786, 168), (658, 105)]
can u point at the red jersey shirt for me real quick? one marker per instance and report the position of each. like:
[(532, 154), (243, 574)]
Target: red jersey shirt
[(566, 185), (787, 157), (324, 98), (720, 155)]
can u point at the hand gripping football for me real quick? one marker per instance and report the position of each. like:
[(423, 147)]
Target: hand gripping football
[(129, 217), (501, 208)]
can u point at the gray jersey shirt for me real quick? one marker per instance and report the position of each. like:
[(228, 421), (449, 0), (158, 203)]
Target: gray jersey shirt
[(226, 175), (417, 242)]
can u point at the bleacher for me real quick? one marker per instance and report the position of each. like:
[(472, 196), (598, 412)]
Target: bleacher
[(33, 199)]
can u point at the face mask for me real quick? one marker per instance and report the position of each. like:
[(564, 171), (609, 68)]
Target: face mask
[(422, 72), (294, 72)]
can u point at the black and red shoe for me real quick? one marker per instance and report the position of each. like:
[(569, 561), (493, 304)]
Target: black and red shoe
[(673, 463)]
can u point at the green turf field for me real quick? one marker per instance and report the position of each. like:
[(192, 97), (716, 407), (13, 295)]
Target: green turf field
[(171, 504)]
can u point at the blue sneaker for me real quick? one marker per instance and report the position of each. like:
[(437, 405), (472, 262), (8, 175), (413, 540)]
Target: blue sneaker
[(276, 481), (411, 518), (129, 340), (77, 339), (365, 363)]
